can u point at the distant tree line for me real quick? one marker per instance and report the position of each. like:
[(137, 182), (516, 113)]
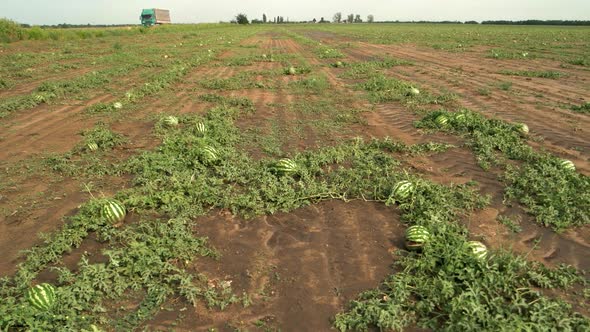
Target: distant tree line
[(500, 22), (538, 22), (351, 18)]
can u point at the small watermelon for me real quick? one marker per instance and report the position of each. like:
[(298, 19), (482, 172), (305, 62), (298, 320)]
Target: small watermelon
[(339, 64), (416, 237), (117, 105), (460, 117), (264, 56), (171, 121), (286, 166), (402, 190), (42, 297), (201, 129), (113, 211), (292, 71), (523, 129), (413, 92), (209, 154), (92, 146), (441, 120), (478, 249), (567, 164)]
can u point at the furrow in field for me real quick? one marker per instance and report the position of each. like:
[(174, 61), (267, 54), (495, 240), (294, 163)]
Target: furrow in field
[(298, 268), (542, 120)]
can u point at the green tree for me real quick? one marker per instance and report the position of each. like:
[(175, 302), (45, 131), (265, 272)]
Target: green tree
[(370, 18), (263, 18), (337, 17), (242, 19)]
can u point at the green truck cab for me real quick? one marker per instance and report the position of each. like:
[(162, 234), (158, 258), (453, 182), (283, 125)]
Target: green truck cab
[(153, 16)]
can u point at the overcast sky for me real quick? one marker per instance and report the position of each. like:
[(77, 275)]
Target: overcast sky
[(197, 11)]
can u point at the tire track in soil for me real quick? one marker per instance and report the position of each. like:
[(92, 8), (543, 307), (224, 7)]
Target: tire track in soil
[(480, 80), (540, 119), (460, 166), (49, 214), (296, 268)]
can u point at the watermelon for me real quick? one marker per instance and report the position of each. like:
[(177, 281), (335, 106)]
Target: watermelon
[(42, 297), (567, 164), (441, 120), (201, 129), (92, 146), (286, 166), (523, 128), (339, 64), (413, 92), (416, 237), (113, 212), (209, 154), (292, 71), (402, 190), (478, 249), (171, 121), (460, 117), (117, 105)]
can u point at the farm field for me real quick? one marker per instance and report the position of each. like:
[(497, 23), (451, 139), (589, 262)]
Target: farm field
[(265, 178)]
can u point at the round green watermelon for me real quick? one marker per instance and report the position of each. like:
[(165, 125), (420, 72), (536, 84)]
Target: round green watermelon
[(568, 165), (92, 146), (201, 129), (113, 211), (523, 129), (286, 166), (416, 237), (42, 297), (171, 121), (478, 249), (209, 154), (441, 120), (402, 190)]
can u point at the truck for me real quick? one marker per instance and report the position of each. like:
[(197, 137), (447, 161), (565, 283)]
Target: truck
[(154, 16)]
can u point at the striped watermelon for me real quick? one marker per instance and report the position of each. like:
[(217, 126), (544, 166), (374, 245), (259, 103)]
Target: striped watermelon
[(416, 237), (523, 129), (42, 297), (171, 121), (92, 146), (209, 154), (286, 166), (113, 212), (201, 129), (478, 249), (413, 92), (441, 120), (460, 117), (117, 105), (567, 164), (402, 190)]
